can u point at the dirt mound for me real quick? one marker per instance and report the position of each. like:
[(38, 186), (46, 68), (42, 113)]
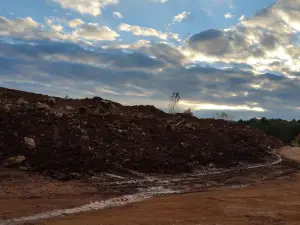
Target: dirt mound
[(96, 135)]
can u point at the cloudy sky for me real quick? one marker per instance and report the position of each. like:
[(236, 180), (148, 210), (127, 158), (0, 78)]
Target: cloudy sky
[(239, 56)]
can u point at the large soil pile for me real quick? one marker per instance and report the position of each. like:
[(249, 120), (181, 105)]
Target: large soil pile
[(96, 135)]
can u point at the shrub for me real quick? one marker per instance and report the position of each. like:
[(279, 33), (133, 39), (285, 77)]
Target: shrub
[(223, 116), (188, 112)]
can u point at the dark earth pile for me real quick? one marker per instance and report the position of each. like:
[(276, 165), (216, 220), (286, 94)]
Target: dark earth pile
[(96, 135)]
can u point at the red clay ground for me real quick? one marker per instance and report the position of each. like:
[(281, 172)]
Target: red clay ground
[(273, 202), (23, 193)]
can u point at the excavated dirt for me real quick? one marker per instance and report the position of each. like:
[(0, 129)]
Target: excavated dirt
[(66, 138), (98, 150)]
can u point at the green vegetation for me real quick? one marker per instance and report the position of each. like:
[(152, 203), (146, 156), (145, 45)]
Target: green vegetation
[(287, 131), (223, 116)]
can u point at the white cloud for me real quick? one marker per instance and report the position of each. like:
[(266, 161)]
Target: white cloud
[(148, 32), (21, 27), (95, 32), (181, 16), (228, 15), (161, 1), (92, 7), (48, 21), (117, 15), (57, 28), (242, 18), (27, 28), (75, 23), (210, 106)]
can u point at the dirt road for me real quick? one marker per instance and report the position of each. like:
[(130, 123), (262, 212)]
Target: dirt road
[(275, 202), (272, 198), (292, 153)]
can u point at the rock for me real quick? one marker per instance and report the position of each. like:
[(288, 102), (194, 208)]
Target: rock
[(221, 153), (21, 101), (85, 137), (70, 108), (58, 114), (7, 107), (15, 160), (51, 101), (184, 145), (29, 142), (75, 176), (189, 126), (211, 165), (42, 106)]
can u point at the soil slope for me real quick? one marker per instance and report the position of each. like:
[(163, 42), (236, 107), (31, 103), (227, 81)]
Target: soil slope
[(63, 136)]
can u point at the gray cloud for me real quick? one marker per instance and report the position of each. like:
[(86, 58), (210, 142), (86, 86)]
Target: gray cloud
[(211, 42), (112, 59), (147, 32), (126, 76), (267, 37), (251, 67)]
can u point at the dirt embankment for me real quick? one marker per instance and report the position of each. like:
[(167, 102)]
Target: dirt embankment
[(63, 136)]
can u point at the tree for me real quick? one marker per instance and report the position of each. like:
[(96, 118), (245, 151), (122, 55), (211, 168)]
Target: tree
[(173, 104), (223, 116), (188, 112)]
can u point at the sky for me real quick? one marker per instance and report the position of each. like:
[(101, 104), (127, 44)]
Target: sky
[(237, 56)]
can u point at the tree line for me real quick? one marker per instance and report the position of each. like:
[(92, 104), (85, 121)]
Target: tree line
[(287, 131)]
